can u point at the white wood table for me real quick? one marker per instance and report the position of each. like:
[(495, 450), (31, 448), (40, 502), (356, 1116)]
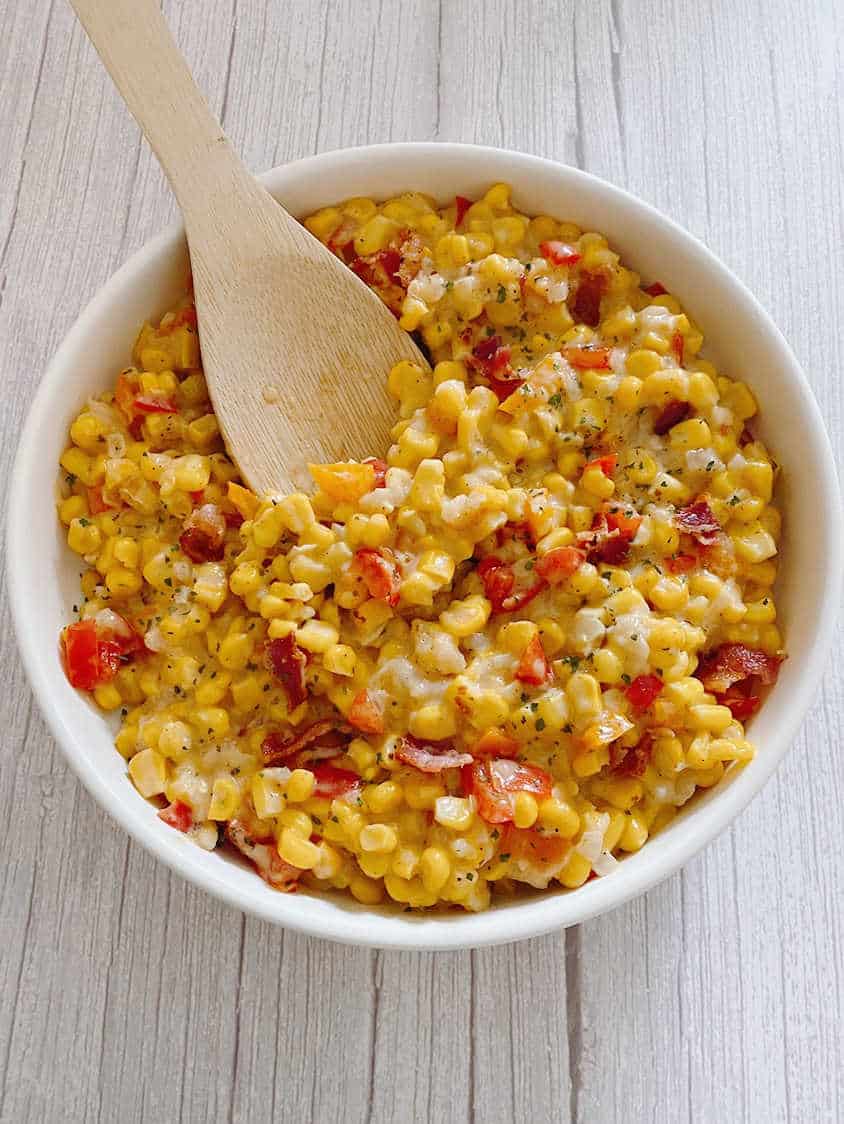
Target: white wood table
[(125, 995)]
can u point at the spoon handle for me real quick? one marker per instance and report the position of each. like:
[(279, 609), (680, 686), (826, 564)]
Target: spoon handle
[(150, 72)]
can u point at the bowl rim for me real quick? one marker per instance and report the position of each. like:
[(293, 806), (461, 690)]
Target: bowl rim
[(534, 916)]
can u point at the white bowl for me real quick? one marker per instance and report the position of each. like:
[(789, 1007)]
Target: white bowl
[(43, 574)]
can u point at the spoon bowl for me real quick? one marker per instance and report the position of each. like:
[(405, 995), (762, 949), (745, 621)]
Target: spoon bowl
[(295, 347)]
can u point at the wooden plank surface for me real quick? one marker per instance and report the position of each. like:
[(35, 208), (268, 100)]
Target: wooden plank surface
[(127, 995)]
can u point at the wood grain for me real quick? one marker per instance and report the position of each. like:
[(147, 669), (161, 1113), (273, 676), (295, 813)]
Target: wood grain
[(718, 996)]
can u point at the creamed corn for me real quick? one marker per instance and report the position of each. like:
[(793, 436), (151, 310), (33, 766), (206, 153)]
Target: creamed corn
[(504, 655)]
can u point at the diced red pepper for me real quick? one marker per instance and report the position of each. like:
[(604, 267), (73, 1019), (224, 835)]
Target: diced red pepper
[(670, 415), (678, 345), (559, 253), (264, 856), (625, 522), (498, 578), (585, 306), (698, 520), (533, 666), (365, 714), (461, 205), (178, 815), (149, 404), (286, 661), (198, 496), (681, 563), (656, 290), (532, 846), (81, 655), (380, 574), (430, 757), (607, 464), (333, 783), (94, 654), (559, 564), (589, 358), (494, 784), (495, 743), (643, 691), (96, 503)]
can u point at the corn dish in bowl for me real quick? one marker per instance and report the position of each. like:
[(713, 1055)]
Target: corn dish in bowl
[(500, 658)]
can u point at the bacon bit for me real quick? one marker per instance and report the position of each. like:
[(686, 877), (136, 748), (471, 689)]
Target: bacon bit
[(504, 389), (532, 846), (96, 503), (678, 345), (203, 534), (585, 306), (682, 563), (741, 706), (379, 467), (608, 543), (533, 667), (631, 761), (430, 757), (286, 661), (495, 743), (275, 748), (559, 253), (335, 784), (233, 519), (380, 574), (643, 691), (719, 557), (490, 359), (656, 290), (607, 464), (365, 714), (670, 415), (461, 205), (494, 784), (559, 564), (178, 815), (733, 663), (697, 520), (589, 358), (264, 857)]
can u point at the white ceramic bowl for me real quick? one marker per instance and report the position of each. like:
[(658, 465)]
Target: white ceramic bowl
[(43, 575)]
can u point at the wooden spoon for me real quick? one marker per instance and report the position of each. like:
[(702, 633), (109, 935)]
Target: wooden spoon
[(295, 348)]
